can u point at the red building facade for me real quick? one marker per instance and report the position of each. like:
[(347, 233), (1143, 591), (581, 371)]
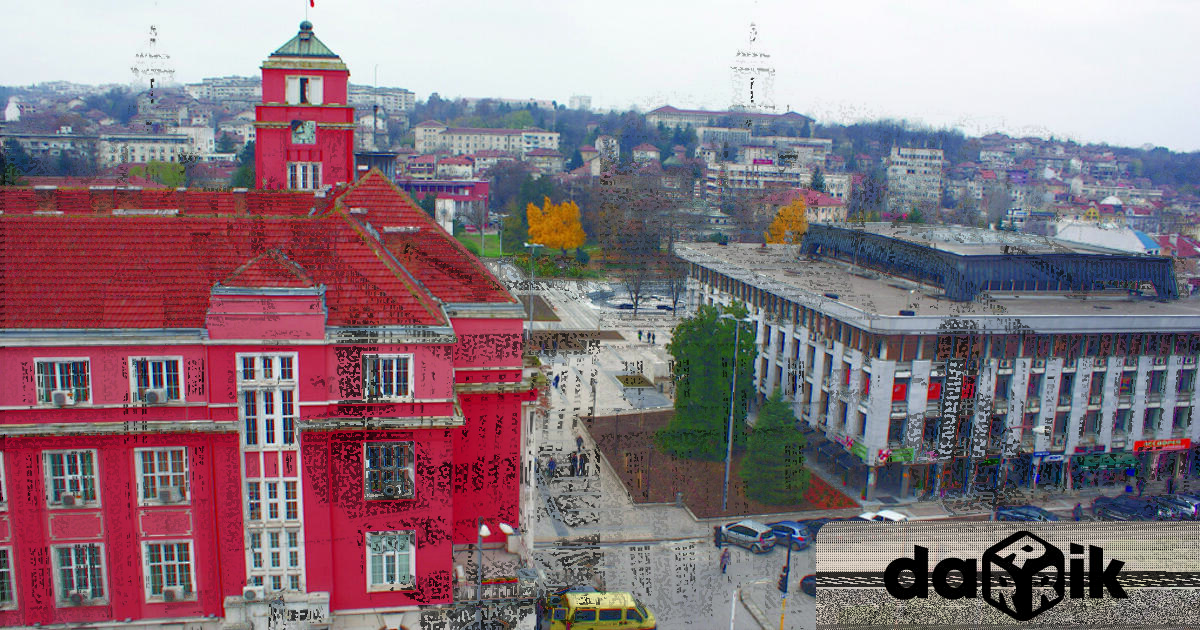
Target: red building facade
[(215, 400), (305, 128)]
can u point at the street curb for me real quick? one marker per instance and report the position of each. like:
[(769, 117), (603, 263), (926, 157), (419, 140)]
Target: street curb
[(755, 611)]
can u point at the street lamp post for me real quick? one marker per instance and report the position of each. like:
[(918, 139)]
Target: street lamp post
[(732, 395), (483, 532), (532, 251)]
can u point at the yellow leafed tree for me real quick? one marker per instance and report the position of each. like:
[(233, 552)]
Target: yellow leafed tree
[(555, 224), (790, 224)]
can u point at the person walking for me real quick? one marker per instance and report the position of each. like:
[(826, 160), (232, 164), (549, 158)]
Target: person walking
[(1141, 485), (1078, 512), (537, 466), (717, 536), (550, 467), (639, 335), (724, 559), (1170, 485), (583, 462), (574, 464), (579, 442)]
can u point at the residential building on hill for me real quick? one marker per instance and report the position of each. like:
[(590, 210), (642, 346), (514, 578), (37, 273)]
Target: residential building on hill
[(914, 178), (435, 137)]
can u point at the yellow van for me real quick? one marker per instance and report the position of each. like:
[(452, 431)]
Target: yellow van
[(566, 610)]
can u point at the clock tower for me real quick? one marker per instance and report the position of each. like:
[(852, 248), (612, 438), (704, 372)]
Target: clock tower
[(304, 126)]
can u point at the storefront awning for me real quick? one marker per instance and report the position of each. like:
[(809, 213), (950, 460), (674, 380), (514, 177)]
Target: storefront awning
[(1106, 461)]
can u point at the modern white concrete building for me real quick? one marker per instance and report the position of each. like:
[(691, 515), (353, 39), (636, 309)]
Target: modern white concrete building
[(921, 357)]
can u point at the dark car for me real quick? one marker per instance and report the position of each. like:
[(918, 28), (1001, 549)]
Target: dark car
[(1023, 513), (814, 525), (790, 533), (1177, 509), (1189, 503), (665, 307), (1125, 508), (808, 584), (625, 306)]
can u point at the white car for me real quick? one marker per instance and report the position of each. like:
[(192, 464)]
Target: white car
[(883, 515)]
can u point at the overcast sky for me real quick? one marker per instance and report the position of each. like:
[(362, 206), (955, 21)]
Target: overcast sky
[(1091, 70)]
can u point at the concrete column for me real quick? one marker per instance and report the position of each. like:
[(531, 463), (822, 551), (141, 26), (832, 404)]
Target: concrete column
[(872, 479), (905, 480)]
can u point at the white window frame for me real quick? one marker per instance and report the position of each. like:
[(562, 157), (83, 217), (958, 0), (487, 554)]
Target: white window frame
[(3, 488), (373, 392), (383, 475), (61, 594), (135, 391), (316, 90), (145, 479), (6, 577), (393, 557), (48, 470), (304, 175), (47, 400), (289, 566), (270, 419), (148, 586)]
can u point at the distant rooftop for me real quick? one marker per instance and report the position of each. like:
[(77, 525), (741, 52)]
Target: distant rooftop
[(873, 299)]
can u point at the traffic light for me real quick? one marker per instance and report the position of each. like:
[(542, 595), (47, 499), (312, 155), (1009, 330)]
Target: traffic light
[(783, 580)]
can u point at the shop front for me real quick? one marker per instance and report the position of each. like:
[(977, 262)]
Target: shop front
[(1163, 459), (1105, 469), (987, 474), (1051, 470)]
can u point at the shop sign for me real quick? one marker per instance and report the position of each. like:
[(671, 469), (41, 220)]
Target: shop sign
[(989, 461), (859, 450), (1041, 453), (1095, 448), (902, 455), (1178, 444), (951, 407), (1053, 458), (763, 161)]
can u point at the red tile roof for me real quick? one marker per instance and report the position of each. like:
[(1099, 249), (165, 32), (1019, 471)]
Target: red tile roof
[(645, 146), (270, 269), (93, 269), (544, 153), (159, 272), (435, 258)]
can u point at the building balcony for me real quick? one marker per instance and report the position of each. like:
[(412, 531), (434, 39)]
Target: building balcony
[(1064, 401), (1124, 400), (1033, 405), (1183, 398), (1000, 405)]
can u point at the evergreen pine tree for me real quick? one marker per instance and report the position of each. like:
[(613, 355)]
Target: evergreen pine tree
[(773, 468)]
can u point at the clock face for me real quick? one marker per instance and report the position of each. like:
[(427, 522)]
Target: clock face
[(304, 132)]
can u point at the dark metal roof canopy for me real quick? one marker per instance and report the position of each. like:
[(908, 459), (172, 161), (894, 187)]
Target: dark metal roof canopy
[(963, 277)]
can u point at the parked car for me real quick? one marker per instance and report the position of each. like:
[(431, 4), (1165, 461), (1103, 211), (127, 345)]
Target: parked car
[(814, 525), (790, 532), (1125, 508), (595, 611), (752, 535), (1177, 509), (808, 584), (883, 515), (665, 307), (1023, 513), (626, 306), (1189, 502)]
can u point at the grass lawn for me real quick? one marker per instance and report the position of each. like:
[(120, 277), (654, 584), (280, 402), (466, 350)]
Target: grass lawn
[(491, 243)]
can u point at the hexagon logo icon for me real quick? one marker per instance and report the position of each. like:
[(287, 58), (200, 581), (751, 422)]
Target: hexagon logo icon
[(1028, 562)]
